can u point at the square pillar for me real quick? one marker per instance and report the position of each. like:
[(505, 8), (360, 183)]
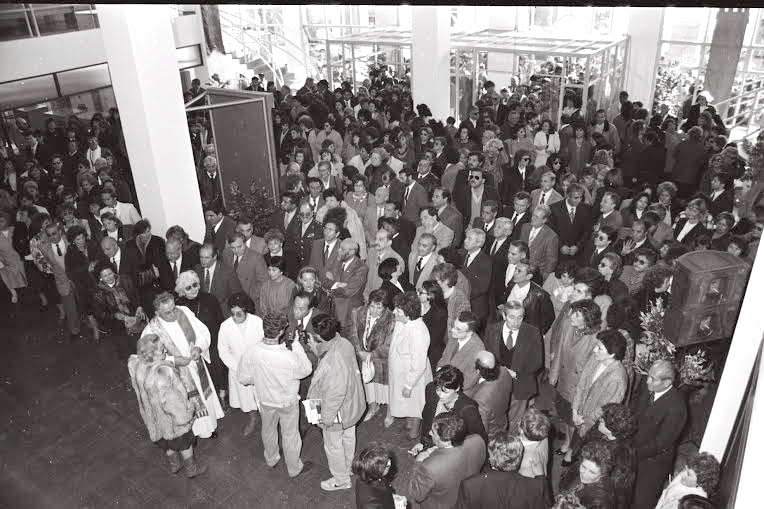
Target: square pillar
[(140, 51), (430, 58), (645, 29)]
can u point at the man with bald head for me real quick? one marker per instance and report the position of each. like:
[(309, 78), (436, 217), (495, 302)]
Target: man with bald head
[(347, 282), (127, 262), (492, 392), (660, 414)]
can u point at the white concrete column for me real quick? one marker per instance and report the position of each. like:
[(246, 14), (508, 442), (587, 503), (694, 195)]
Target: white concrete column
[(141, 55), (645, 28), (430, 58)]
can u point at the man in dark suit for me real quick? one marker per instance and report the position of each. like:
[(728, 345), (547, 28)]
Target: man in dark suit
[(498, 251), (599, 243), (660, 414), (348, 284), (503, 486), (542, 241), (415, 196), (287, 220), (395, 187), (519, 214), (324, 254), (536, 301), (209, 181), (448, 214), (425, 177), (310, 230), (516, 178), (219, 226), (217, 278), (248, 265), (489, 211), (190, 249), (492, 393), (722, 198), (127, 262), (172, 264), (477, 269), (465, 199), (519, 347), (572, 220), (437, 473), (406, 228)]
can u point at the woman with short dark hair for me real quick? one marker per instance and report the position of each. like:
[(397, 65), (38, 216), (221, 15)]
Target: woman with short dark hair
[(435, 317), (593, 474), (375, 468), (79, 260), (409, 370), (277, 293), (390, 271)]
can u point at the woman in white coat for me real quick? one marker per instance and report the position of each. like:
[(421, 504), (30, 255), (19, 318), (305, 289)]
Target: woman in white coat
[(408, 366), (546, 141), (237, 335)]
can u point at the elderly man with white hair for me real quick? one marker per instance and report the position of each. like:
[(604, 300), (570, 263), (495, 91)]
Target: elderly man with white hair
[(209, 180)]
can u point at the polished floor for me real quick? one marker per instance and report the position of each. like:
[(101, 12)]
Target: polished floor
[(71, 437)]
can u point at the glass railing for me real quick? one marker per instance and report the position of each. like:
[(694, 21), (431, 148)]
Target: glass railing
[(21, 21)]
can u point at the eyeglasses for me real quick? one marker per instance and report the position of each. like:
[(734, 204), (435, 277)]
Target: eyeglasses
[(192, 286), (476, 177), (641, 262)]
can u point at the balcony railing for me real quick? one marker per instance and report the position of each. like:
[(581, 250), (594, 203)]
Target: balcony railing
[(21, 21)]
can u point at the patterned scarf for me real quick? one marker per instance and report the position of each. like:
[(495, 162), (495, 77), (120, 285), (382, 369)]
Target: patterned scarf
[(188, 331), (117, 295)]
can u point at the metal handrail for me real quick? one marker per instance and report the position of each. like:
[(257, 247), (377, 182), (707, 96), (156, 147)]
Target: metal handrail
[(277, 75), (310, 67)]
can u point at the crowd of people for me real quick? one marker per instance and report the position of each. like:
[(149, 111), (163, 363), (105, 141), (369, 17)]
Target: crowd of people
[(439, 274)]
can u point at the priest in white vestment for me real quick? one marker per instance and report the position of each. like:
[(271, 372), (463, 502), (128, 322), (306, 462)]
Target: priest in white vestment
[(187, 341)]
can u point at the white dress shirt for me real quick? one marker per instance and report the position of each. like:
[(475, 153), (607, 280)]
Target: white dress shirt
[(519, 293)]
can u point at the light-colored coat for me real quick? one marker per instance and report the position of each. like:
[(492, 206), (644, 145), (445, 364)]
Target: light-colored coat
[(231, 346), (463, 358), (408, 366), (544, 249), (592, 395), (574, 353), (426, 272), (552, 197)]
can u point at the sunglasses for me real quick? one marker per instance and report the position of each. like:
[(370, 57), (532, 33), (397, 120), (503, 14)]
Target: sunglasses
[(526, 159), (192, 286), (476, 177)]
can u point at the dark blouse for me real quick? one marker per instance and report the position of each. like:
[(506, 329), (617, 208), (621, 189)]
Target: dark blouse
[(436, 320)]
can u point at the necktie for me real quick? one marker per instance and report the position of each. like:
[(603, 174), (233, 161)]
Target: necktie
[(58, 250), (206, 281), (419, 265), (514, 218), (532, 236), (510, 339), (485, 227), (326, 252), (236, 263), (406, 196), (175, 270), (543, 199), (494, 247), (572, 215), (114, 262), (286, 221)]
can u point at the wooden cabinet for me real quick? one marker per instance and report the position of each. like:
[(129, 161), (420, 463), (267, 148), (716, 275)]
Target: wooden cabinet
[(706, 295)]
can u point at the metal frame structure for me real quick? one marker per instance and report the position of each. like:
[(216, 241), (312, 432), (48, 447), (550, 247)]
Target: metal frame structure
[(603, 59)]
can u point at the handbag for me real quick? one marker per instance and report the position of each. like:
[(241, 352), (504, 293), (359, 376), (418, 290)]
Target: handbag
[(367, 371)]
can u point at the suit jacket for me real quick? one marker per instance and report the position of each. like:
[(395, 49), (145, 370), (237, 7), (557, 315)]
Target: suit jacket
[(434, 482), (614, 219), (209, 188), (220, 238), (479, 223), (723, 203), (129, 264), (373, 281), (335, 182), (518, 228), (592, 395), (494, 489), (479, 276), (539, 310), (291, 233), (659, 425), (305, 241), (251, 272), (371, 221), (395, 188), (224, 284), (543, 250), (571, 234), (552, 198), (463, 200), (351, 296), (527, 356), (693, 234), (63, 284), (444, 237), (317, 260), (428, 182), (492, 398), (451, 217), (464, 406), (166, 276), (463, 358), (417, 200), (588, 258), (513, 182), (407, 229), (418, 279), (402, 246)]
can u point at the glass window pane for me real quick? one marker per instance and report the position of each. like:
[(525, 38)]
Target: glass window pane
[(685, 24), (686, 54), (189, 56), (13, 25), (86, 78), (757, 61), (28, 91), (60, 19), (759, 37)]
